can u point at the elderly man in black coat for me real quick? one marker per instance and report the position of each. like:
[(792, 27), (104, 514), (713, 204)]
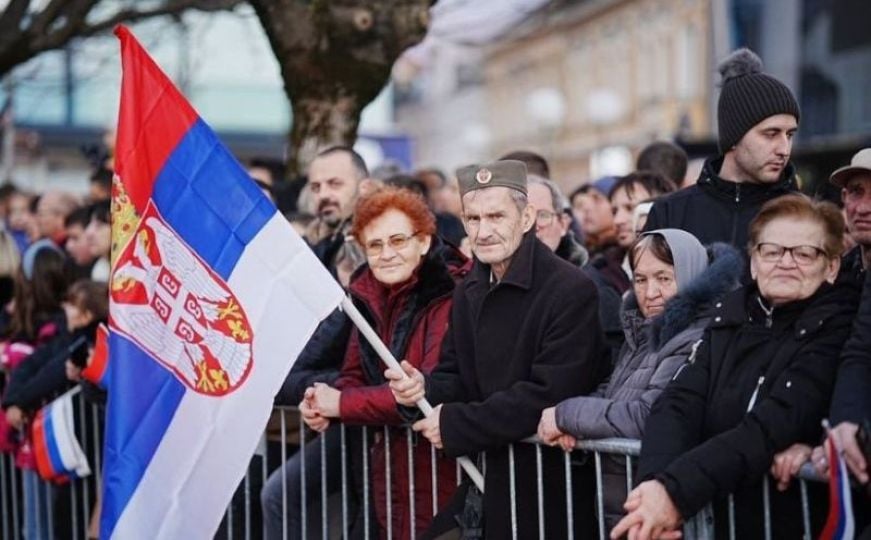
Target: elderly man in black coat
[(524, 334)]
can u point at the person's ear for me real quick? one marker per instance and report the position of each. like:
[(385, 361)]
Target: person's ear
[(834, 265), (528, 218), (565, 222), (426, 243)]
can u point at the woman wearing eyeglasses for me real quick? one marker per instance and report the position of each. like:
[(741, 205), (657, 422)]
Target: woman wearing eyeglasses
[(404, 290), (759, 382)]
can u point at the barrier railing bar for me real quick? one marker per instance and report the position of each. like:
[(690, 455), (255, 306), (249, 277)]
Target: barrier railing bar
[(74, 510), (570, 516), (343, 454), (283, 422), (435, 480), (805, 509), (324, 527), (16, 521), (5, 481), (600, 495), (766, 505), (365, 482), (248, 504), (410, 443), (512, 481), (539, 485), (388, 492)]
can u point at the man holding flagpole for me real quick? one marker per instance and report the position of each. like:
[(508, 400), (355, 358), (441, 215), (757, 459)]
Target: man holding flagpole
[(523, 335)]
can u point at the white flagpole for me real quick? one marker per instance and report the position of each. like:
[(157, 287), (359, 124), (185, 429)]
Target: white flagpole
[(388, 358)]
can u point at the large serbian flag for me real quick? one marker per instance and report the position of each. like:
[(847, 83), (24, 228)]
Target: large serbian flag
[(212, 297)]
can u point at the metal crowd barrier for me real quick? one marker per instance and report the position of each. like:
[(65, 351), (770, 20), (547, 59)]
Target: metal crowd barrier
[(76, 498), (244, 518)]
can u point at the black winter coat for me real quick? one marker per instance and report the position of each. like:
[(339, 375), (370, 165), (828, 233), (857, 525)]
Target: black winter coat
[(701, 442), (320, 359), (513, 349), (852, 398), (42, 376), (717, 210)]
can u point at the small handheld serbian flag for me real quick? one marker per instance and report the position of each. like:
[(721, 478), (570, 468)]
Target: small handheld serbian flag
[(840, 524), (212, 297), (59, 456), (95, 371)]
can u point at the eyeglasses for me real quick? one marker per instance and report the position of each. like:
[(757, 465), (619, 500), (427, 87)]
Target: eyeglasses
[(803, 255), (397, 242), (543, 218)]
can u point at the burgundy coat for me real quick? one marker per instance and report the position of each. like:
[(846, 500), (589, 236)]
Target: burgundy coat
[(412, 320)]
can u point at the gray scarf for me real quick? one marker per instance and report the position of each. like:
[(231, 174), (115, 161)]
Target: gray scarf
[(690, 256)]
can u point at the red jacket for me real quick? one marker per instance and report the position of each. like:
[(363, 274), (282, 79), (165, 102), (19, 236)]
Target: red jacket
[(412, 320)]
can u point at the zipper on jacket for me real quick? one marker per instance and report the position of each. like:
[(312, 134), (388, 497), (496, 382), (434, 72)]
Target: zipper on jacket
[(690, 360), (737, 193), (755, 393)]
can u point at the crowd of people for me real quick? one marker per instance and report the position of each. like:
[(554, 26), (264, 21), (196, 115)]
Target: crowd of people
[(719, 320)]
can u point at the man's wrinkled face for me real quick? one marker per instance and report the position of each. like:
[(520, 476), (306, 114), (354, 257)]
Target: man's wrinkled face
[(333, 181), (763, 152), (857, 207), (495, 224)]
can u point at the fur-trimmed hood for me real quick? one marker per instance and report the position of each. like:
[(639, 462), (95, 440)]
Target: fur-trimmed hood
[(722, 275)]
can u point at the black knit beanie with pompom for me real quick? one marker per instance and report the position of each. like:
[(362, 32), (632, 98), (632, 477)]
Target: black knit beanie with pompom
[(748, 96)]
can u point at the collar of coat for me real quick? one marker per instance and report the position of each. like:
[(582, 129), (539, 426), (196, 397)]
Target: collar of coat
[(809, 315), (695, 301), (569, 249), (519, 273), (711, 182), (432, 281)]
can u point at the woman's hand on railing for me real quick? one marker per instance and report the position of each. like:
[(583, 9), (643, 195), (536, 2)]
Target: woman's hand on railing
[(786, 464), (310, 414), (327, 400), (567, 442), (407, 386), (550, 434), (651, 514)]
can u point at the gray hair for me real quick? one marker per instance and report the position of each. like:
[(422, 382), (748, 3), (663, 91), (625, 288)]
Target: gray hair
[(520, 199), (559, 201)]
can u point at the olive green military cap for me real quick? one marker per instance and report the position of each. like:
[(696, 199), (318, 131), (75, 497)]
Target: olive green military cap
[(508, 173)]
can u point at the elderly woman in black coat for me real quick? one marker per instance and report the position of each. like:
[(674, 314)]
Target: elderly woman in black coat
[(760, 382)]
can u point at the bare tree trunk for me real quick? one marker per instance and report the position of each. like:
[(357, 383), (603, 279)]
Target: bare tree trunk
[(335, 58)]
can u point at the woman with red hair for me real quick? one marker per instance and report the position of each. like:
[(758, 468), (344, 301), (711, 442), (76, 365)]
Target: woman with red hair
[(404, 290)]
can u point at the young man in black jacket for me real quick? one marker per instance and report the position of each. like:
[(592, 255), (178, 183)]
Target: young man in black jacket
[(757, 116)]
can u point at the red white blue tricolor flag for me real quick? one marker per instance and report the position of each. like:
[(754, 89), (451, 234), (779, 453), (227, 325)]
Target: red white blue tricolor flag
[(840, 524), (58, 454), (212, 297)]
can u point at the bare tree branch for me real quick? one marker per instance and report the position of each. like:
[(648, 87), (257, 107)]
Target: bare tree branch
[(171, 7), (59, 21)]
